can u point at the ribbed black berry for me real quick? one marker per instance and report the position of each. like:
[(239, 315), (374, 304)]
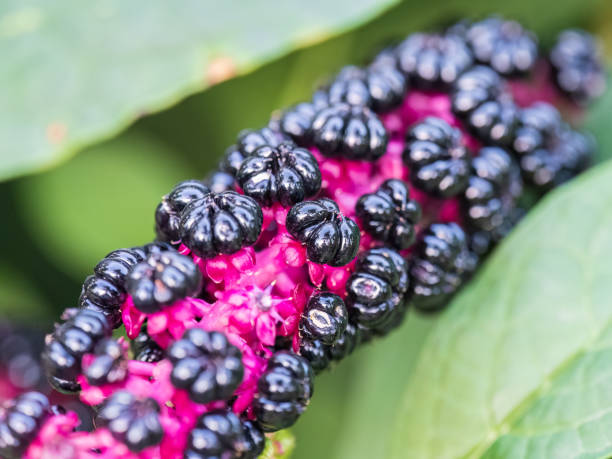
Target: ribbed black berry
[(131, 420), (330, 237), (346, 344), (505, 46), (283, 391), (286, 174), (65, 347), (206, 365), (221, 434), (549, 151), (220, 223), (247, 142), (439, 266), (322, 323), (351, 131), (20, 420), (478, 98), (578, 66), (219, 181), (144, 349), (389, 215), (168, 212), (162, 279), (376, 291), (109, 365), (438, 161), (489, 202), (296, 121), (380, 87), (432, 61)]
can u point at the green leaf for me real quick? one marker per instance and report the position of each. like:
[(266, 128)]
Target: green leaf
[(102, 200), (19, 299), (279, 445), (517, 364), (75, 72)]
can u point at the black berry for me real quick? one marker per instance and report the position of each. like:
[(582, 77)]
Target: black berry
[(389, 215), (578, 66), (351, 131), (330, 238), (438, 161), (20, 420), (145, 349), (432, 61), (219, 181), (206, 365), (346, 344), (505, 46), (247, 142), (286, 174), (283, 391), (377, 289), (133, 421), (109, 365), (162, 279), (440, 264), (168, 212), (220, 223)]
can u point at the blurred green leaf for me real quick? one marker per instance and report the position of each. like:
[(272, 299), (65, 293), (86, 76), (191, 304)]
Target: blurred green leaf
[(19, 300), (515, 363), (102, 200), (75, 72), (279, 445)]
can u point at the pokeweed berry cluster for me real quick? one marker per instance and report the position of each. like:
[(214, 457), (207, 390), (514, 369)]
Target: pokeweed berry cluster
[(318, 233)]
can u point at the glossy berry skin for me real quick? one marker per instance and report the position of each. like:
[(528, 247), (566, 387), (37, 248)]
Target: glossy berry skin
[(349, 131), (346, 344), (296, 121), (377, 288), (549, 151), (489, 202), (505, 46), (316, 353), (440, 264), (133, 421), (162, 279), (478, 98), (247, 142), (206, 365), (389, 215), (283, 391), (380, 87), (578, 66), (67, 345), (219, 181), (431, 61), (324, 318), (438, 161), (220, 434), (145, 349), (109, 365), (220, 223), (286, 174), (20, 420), (168, 212), (330, 238)]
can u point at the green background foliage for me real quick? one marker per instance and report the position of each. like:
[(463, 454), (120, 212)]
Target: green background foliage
[(137, 106)]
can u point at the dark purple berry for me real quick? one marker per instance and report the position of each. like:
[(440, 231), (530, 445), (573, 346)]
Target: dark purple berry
[(131, 420), (505, 46), (162, 279), (346, 344), (578, 66), (220, 223), (432, 61), (168, 212), (377, 288), (439, 266), (109, 365), (247, 142), (351, 131), (438, 161), (206, 365), (20, 349), (330, 237), (145, 349), (389, 215), (219, 181), (283, 391), (324, 318), (296, 121), (20, 421), (286, 174)]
